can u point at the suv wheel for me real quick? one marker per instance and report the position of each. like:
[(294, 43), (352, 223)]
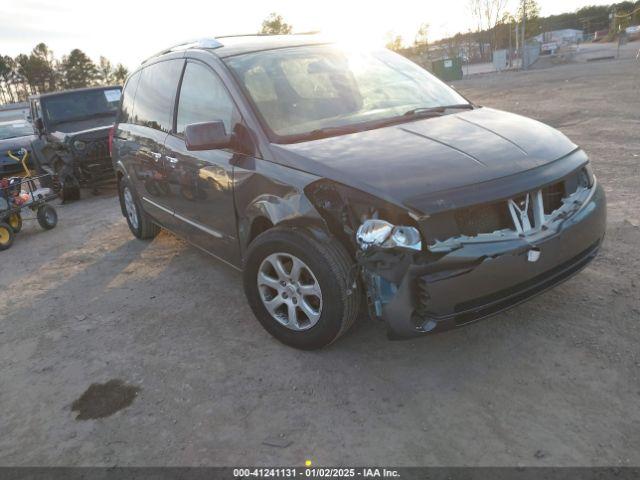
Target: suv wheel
[(301, 290), (139, 222)]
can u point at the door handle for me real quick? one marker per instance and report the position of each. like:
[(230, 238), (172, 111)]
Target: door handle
[(156, 156), (172, 160)]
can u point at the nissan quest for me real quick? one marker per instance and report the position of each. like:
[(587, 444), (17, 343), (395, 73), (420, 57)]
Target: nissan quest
[(343, 180)]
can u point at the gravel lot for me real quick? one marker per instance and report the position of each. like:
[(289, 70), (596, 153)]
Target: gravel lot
[(552, 382)]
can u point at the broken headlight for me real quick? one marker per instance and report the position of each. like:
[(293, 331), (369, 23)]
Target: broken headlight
[(380, 233)]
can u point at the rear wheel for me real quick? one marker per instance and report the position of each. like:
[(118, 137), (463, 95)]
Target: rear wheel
[(47, 217), (302, 291), (139, 222), (15, 222), (6, 236)]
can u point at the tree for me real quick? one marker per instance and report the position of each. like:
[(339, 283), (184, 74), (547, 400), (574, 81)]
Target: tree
[(421, 42), (487, 14), (6, 71), (395, 43), (530, 11), (505, 32), (45, 62), (28, 72), (274, 24), (77, 70), (120, 74), (105, 71)]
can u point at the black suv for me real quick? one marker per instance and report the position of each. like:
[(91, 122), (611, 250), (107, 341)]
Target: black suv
[(73, 129), (329, 176)]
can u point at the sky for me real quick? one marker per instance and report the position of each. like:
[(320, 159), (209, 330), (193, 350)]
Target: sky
[(128, 31)]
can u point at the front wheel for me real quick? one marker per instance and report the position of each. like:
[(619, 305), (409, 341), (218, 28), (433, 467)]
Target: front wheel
[(47, 217), (304, 292)]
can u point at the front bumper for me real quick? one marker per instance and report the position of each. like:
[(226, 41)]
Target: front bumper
[(477, 280)]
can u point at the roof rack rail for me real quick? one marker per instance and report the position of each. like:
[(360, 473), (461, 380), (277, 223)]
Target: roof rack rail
[(197, 43), (316, 32)]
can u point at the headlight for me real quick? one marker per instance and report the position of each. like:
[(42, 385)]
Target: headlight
[(79, 145), (386, 235)]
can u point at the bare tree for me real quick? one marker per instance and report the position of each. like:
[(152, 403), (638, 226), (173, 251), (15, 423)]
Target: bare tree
[(487, 14), (394, 43), (421, 42), (105, 71)]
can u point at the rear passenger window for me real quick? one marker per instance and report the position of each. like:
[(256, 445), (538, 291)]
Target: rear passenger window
[(203, 98), (128, 95), (155, 95)]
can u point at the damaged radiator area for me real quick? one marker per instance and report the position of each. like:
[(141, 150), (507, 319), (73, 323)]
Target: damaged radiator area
[(487, 230), (531, 214), (476, 248)]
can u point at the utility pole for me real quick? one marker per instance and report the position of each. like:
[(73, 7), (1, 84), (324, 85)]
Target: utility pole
[(510, 50), (524, 29), (469, 52), (612, 22)]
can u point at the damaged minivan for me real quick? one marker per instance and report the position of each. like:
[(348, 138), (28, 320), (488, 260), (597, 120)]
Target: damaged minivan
[(339, 180)]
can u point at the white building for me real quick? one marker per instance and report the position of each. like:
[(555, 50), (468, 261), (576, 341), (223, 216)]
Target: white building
[(561, 37)]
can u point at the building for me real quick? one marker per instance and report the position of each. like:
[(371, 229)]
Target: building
[(561, 37)]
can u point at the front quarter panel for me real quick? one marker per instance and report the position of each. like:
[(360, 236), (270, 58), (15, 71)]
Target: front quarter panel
[(268, 191)]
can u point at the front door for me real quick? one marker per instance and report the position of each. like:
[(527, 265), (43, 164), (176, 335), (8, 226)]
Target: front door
[(201, 181)]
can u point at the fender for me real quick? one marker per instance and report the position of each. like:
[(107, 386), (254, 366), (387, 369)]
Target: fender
[(281, 202)]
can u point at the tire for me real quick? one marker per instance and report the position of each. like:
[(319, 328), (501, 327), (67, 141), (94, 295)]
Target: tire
[(6, 236), (139, 222), (15, 222), (327, 264), (69, 189), (47, 217)]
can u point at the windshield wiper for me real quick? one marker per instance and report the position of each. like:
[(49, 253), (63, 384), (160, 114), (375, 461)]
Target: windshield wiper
[(328, 131), (436, 110)]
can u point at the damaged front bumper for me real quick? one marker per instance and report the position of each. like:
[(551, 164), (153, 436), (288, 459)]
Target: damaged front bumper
[(469, 278)]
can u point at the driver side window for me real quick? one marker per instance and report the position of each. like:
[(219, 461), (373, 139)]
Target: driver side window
[(203, 98)]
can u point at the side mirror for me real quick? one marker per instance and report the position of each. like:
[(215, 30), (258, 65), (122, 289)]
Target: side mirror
[(206, 136), (39, 125)]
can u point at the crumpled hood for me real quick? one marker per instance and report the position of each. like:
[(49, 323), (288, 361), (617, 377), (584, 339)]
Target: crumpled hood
[(405, 162)]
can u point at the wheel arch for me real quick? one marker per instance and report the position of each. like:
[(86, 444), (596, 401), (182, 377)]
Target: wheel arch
[(121, 173), (286, 212)]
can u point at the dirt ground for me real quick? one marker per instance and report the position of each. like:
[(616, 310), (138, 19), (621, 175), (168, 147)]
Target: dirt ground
[(554, 381)]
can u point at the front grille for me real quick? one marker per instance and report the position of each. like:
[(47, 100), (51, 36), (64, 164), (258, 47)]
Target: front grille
[(552, 197), (501, 215), (483, 218), (96, 150)]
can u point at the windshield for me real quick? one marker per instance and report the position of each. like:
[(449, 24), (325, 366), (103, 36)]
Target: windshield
[(81, 105), (14, 114), (15, 129), (302, 90)]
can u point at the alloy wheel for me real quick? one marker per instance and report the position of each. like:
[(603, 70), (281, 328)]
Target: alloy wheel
[(290, 291), (130, 207)]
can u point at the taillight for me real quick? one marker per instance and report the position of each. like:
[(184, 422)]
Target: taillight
[(110, 142)]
